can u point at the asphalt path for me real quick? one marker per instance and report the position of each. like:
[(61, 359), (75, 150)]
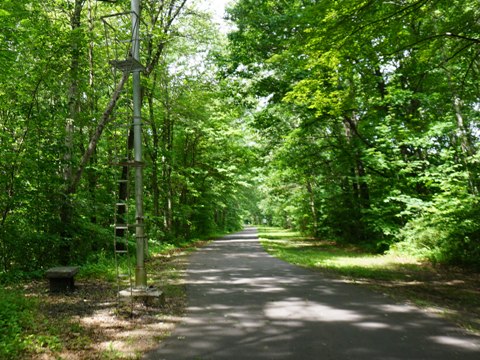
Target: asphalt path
[(245, 304)]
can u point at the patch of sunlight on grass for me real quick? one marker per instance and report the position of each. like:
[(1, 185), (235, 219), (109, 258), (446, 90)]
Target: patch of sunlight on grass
[(371, 261), (276, 233), (327, 255)]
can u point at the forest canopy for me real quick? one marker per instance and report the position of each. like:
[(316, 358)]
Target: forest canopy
[(370, 119), (66, 116), (353, 121)]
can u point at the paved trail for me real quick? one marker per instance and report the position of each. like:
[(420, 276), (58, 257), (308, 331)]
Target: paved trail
[(245, 304)]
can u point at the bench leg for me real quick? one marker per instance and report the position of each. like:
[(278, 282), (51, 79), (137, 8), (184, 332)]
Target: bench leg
[(58, 285)]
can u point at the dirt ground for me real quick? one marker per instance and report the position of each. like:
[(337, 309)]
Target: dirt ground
[(94, 323)]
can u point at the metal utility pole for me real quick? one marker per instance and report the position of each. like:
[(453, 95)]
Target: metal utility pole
[(140, 273)]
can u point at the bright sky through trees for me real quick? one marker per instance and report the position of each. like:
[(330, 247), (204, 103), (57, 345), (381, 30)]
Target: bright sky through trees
[(217, 8)]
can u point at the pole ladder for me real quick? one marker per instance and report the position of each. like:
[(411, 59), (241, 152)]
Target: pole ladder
[(122, 215), (122, 226)]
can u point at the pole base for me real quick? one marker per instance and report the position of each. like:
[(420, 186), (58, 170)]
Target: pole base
[(148, 295)]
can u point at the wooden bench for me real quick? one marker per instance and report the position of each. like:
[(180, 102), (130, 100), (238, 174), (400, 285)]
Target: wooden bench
[(62, 278)]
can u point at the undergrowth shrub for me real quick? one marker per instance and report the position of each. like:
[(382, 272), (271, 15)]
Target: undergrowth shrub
[(102, 265), (87, 239), (444, 233), (28, 252), (15, 321)]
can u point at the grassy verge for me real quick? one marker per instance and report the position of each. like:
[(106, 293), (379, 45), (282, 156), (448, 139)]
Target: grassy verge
[(451, 292)]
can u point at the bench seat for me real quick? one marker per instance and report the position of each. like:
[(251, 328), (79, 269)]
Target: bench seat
[(62, 278)]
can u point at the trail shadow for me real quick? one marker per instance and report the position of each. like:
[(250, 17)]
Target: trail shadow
[(245, 304)]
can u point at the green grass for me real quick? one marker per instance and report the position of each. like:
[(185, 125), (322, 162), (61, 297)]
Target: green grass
[(343, 260), (23, 328), (455, 291), (15, 323)]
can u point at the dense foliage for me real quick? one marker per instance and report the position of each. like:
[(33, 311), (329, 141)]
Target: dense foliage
[(65, 117), (369, 118), (364, 115)]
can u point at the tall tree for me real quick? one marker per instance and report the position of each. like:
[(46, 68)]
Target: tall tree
[(374, 83)]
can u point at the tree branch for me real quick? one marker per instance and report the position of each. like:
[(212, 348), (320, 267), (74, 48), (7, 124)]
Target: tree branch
[(106, 118), (407, 9), (172, 15)]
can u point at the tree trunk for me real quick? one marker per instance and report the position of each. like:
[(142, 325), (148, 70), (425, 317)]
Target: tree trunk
[(313, 207), (154, 158), (360, 186), (66, 210), (465, 144), (167, 158), (92, 174), (104, 121)]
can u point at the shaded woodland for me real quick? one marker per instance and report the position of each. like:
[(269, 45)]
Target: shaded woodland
[(356, 121), (368, 119), (66, 116)]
